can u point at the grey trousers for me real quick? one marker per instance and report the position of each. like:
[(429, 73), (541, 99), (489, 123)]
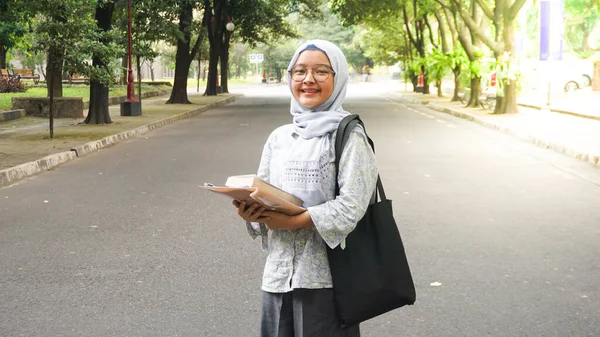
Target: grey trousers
[(302, 313)]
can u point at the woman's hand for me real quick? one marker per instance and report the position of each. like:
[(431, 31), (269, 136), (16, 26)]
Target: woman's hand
[(252, 213), (278, 220)]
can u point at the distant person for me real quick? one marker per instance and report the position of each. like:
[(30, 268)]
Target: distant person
[(299, 158)]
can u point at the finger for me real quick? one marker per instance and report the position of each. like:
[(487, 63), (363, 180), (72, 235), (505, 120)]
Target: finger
[(253, 208), (236, 203), (257, 213), (263, 219)]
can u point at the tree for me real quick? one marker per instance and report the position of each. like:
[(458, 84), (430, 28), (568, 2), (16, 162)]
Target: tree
[(98, 112), (503, 14), (12, 27), (581, 18), (347, 38), (413, 14), (186, 49), (257, 21), (239, 59), (471, 44), (64, 29)]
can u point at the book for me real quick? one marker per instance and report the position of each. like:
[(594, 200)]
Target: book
[(251, 189)]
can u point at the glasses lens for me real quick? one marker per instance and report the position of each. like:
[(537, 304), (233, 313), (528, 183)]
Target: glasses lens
[(298, 73)]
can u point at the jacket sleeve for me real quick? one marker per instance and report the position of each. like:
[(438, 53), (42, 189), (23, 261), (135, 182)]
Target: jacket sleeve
[(357, 179)]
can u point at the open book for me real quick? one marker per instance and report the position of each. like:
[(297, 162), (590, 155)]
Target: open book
[(253, 189)]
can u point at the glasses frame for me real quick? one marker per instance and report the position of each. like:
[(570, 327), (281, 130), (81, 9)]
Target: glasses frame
[(331, 72)]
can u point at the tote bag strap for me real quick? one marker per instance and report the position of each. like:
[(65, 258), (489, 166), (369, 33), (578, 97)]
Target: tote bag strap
[(343, 132)]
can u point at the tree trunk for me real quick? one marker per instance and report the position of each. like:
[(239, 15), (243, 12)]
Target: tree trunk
[(198, 75), (182, 66), (224, 71), (455, 97), (211, 81), (2, 56), (124, 65), (151, 66), (51, 107), (474, 95), (596, 77), (439, 88), (182, 57), (54, 65), (425, 82), (98, 108), (508, 103)]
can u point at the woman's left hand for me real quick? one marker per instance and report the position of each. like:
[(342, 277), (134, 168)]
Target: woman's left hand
[(280, 220)]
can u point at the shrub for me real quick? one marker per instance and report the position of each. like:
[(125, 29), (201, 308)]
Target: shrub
[(11, 84)]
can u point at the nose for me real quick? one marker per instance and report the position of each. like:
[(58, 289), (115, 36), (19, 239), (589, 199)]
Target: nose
[(309, 72)]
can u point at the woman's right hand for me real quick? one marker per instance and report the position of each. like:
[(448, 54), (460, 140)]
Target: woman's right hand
[(251, 213)]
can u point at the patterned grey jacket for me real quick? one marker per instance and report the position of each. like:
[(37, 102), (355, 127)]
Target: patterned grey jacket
[(298, 258)]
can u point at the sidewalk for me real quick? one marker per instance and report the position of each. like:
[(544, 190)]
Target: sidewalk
[(24, 141), (582, 103), (577, 137)]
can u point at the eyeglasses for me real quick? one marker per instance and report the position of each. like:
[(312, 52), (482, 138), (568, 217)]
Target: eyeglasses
[(320, 72)]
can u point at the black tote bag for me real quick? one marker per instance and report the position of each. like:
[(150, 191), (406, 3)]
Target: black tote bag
[(370, 275)]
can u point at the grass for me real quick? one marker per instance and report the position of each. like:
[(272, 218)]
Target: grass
[(71, 91)]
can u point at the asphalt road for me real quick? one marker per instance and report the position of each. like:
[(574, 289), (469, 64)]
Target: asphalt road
[(124, 243)]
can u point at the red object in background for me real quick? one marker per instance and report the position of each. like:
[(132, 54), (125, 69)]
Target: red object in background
[(264, 74), (493, 79), (421, 81), (270, 73)]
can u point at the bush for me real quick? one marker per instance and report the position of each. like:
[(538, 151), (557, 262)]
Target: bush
[(11, 84)]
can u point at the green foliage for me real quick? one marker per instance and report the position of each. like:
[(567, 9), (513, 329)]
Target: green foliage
[(330, 28), (438, 65), (11, 84), (581, 18), (12, 23), (506, 71)]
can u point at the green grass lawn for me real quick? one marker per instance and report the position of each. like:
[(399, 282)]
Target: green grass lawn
[(71, 91)]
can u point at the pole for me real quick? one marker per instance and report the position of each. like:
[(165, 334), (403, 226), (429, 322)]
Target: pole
[(130, 87)]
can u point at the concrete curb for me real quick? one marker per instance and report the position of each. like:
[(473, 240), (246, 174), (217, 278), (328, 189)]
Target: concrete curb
[(591, 158), (566, 112), (10, 115), (13, 174)]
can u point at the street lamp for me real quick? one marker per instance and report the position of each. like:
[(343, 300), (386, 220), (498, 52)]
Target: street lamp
[(131, 107)]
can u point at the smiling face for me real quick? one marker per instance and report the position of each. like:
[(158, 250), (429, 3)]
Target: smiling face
[(309, 92)]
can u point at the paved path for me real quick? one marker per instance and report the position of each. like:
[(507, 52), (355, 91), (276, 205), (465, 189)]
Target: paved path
[(123, 242)]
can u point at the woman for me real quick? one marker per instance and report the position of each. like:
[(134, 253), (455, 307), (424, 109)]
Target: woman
[(300, 159)]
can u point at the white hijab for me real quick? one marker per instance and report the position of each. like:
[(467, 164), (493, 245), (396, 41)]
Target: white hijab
[(306, 171), (326, 117)]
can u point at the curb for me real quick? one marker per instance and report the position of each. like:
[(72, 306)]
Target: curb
[(591, 158), (13, 174), (566, 112), (16, 173), (10, 115)]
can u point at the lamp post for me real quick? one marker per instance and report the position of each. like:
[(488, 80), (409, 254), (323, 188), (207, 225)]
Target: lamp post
[(131, 107)]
